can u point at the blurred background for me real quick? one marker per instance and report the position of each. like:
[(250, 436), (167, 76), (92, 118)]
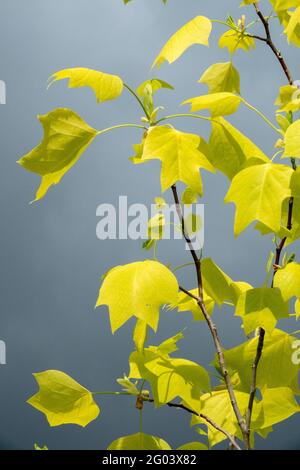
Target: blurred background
[(52, 262)]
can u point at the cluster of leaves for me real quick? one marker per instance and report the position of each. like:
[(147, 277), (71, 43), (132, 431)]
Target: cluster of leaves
[(263, 192)]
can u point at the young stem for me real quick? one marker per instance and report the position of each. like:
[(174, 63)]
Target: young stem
[(120, 126), (173, 116), (262, 116), (137, 98)]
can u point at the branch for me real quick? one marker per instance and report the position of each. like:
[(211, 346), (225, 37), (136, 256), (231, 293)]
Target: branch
[(253, 388), (206, 418), (212, 327), (271, 44), (268, 40), (287, 72), (188, 240)]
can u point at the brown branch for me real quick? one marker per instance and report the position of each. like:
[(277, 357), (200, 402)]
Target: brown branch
[(205, 417), (271, 44), (187, 239), (212, 327), (253, 387)]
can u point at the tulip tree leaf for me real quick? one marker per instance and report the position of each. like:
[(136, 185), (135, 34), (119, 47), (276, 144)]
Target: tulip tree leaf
[(137, 289), (181, 155), (235, 40), (287, 280), (170, 377), (230, 150), (219, 104), (196, 31), (193, 446), (292, 141), (288, 99), (66, 136), (105, 86), (139, 441), (277, 405), (218, 285), (261, 307), (258, 193), (63, 400), (276, 368), (217, 406), (221, 77)]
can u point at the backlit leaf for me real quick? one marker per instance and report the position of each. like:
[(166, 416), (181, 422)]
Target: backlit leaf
[(287, 280), (170, 377), (292, 141), (230, 150), (219, 104), (193, 446), (66, 136), (105, 86), (235, 40), (63, 400), (288, 99), (196, 31), (181, 155), (258, 193), (276, 368), (137, 289), (221, 77), (139, 441), (261, 307), (218, 285)]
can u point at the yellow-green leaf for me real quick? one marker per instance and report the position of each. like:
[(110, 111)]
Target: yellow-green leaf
[(230, 150), (63, 400), (196, 31), (221, 77), (287, 280), (293, 26), (193, 446), (137, 289), (258, 193), (66, 136), (181, 155), (217, 406), (105, 86), (218, 285), (277, 405), (261, 307), (170, 377), (288, 98), (219, 104), (139, 441), (235, 40), (292, 141), (276, 368)]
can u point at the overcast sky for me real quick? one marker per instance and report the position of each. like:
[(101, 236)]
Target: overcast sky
[(51, 261)]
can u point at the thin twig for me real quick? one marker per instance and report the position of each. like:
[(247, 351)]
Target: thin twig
[(212, 327), (205, 417), (253, 387), (271, 44)]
